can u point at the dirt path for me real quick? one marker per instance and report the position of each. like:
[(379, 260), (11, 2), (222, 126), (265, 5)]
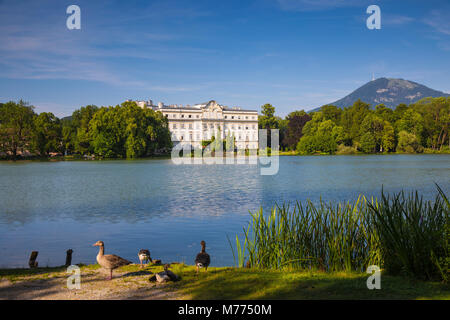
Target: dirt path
[(94, 286)]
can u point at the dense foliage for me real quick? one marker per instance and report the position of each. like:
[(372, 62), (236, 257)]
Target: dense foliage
[(421, 126), (123, 131), (401, 234)]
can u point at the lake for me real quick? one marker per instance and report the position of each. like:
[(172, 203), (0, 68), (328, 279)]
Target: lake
[(167, 208)]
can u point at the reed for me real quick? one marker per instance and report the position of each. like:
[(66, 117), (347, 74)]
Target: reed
[(413, 234), (349, 236)]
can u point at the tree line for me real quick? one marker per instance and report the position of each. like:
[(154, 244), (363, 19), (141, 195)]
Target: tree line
[(123, 131), (419, 127), (128, 131)]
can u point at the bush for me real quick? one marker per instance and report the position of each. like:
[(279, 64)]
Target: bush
[(343, 149), (408, 143), (319, 143)]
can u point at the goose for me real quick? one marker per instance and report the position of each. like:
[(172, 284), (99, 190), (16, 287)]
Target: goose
[(171, 275), (109, 261), (202, 260), (144, 255)]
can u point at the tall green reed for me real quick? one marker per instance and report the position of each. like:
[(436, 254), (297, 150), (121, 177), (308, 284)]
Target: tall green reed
[(401, 235), (326, 237), (413, 234)]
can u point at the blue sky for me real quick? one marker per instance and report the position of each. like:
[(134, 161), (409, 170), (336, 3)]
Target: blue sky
[(295, 54)]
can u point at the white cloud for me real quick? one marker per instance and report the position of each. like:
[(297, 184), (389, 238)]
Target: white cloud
[(439, 20), (318, 5), (392, 19)]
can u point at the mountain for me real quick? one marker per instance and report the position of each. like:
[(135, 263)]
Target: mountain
[(390, 92)]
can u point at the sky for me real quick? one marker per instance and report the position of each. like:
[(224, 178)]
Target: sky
[(294, 54)]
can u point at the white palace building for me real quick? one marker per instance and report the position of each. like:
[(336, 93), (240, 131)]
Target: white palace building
[(192, 124)]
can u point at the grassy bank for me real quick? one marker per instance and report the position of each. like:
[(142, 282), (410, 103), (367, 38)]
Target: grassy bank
[(130, 282)]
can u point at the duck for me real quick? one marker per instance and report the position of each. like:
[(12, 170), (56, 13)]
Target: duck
[(109, 261), (202, 260), (144, 255)]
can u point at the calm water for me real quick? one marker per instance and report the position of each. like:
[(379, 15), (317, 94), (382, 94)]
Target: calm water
[(53, 206)]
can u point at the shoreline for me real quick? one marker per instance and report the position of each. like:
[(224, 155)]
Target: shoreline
[(168, 157), (131, 282)]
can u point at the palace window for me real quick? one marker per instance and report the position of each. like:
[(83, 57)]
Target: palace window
[(232, 117), (182, 126), (225, 117), (182, 115), (190, 116), (174, 126), (190, 125), (198, 116)]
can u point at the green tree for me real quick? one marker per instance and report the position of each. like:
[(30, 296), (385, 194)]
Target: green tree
[(371, 133), (385, 113), (75, 130), (408, 142), (412, 122), (318, 136), (435, 113), (47, 134), (368, 143), (351, 120), (268, 110), (16, 127), (128, 131), (269, 121), (332, 113), (388, 137), (295, 122)]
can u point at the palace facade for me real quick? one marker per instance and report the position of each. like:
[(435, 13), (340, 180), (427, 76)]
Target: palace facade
[(193, 124)]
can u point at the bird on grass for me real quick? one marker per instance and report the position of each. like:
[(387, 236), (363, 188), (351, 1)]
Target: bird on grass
[(202, 260), (109, 261), (144, 255)]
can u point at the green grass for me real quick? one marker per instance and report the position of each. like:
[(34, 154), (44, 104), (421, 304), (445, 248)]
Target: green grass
[(242, 283), (233, 283)]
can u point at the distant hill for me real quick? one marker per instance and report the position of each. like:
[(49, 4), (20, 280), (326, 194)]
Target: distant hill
[(390, 92)]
